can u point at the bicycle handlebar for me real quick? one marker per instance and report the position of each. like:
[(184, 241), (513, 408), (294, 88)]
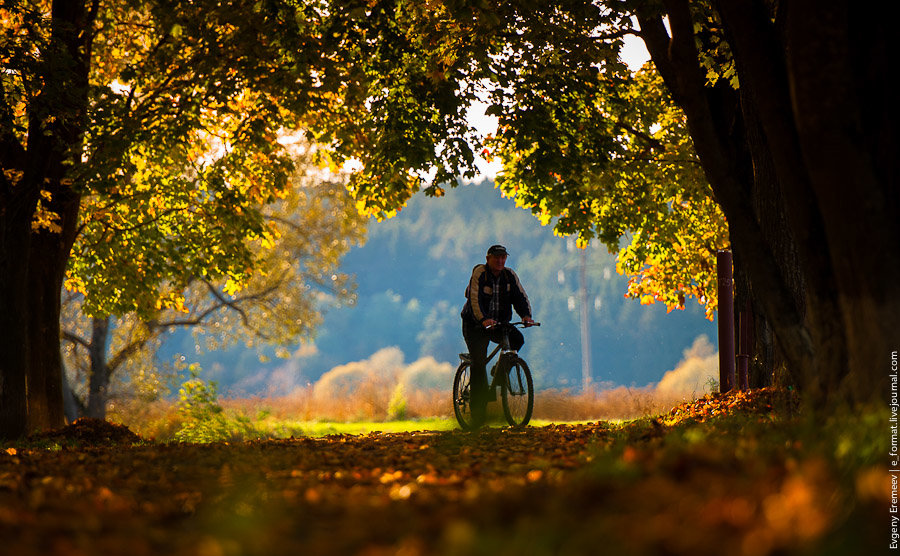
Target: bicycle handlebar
[(521, 322)]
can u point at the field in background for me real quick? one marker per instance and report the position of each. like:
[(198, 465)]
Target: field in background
[(303, 413), (383, 393)]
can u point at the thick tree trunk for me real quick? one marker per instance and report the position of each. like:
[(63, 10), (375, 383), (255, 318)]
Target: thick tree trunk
[(806, 84), (821, 129), (30, 362), (15, 228), (98, 383), (717, 129), (47, 258), (847, 126)]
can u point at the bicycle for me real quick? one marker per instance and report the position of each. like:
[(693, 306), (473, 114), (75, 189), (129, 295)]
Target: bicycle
[(510, 374)]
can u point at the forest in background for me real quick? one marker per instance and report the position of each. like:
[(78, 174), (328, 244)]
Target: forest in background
[(410, 276)]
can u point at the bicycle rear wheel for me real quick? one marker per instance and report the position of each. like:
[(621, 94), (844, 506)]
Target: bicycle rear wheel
[(517, 393), (462, 396)]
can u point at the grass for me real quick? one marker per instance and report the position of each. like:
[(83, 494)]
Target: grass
[(203, 419), (325, 428)]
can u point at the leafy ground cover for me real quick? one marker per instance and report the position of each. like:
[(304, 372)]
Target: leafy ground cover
[(734, 474)]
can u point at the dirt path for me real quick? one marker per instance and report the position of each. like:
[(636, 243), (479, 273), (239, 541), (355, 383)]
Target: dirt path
[(649, 488)]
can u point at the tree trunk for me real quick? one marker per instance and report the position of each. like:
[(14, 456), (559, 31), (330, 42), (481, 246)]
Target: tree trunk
[(47, 266), (847, 122), (812, 81), (98, 383), (15, 229), (717, 129), (72, 405), (821, 95), (30, 362)]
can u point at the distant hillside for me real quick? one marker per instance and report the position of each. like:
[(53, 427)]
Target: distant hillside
[(411, 275)]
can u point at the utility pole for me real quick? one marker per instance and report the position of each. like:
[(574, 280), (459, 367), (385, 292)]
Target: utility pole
[(585, 327)]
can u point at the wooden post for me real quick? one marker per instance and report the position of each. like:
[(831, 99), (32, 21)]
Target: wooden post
[(726, 320), (745, 346)]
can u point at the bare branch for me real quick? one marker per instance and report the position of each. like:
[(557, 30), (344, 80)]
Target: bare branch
[(75, 339)]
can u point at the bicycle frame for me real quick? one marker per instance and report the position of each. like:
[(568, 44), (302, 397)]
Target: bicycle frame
[(503, 349), (512, 396)]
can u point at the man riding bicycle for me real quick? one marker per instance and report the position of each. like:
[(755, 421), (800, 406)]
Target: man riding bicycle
[(493, 292)]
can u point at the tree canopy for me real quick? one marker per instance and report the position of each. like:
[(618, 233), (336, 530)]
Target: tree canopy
[(584, 142), (150, 128), (294, 274), (784, 104)]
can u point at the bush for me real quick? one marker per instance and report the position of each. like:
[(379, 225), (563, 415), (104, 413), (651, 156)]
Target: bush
[(202, 418), (398, 407)]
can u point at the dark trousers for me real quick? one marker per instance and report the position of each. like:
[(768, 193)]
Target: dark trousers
[(478, 338)]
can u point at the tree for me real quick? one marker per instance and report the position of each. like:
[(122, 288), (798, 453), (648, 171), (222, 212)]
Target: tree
[(785, 104), (577, 130), (648, 200), (118, 100), (780, 152), (293, 277)]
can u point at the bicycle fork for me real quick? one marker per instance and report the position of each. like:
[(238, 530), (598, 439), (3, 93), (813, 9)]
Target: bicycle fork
[(500, 370)]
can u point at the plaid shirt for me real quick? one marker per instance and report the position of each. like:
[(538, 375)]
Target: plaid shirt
[(494, 307), (494, 297)]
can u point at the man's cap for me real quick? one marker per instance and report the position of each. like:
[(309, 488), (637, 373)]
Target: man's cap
[(497, 250)]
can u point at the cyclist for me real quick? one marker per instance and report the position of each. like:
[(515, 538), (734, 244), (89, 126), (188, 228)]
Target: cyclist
[(493, 292)]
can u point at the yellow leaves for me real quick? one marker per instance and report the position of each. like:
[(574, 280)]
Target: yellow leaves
[(232, 286), (75, 284), (544, 217), (647, 299), (269, 239), (174, 301), (13, 175), (44, 218), (363, 208)]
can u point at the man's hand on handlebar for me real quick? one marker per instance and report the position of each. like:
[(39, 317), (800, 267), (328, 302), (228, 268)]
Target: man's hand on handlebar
[(527, 321)]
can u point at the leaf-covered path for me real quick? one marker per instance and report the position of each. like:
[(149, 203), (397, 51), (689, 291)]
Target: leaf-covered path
[(738, 483)]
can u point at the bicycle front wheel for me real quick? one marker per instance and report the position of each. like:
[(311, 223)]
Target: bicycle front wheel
[(462, 396), (517, 393)]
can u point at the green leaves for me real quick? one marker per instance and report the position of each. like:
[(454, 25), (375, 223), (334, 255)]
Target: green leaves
[(202, 418), (182, 150), (585, 144), (620, 166)]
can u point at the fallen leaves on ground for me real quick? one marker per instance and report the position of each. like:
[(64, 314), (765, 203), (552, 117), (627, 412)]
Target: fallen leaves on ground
[(763, 402), (742, 484)]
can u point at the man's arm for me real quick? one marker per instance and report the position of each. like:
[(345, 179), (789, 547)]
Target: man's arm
[(520, 299), (473, 291)]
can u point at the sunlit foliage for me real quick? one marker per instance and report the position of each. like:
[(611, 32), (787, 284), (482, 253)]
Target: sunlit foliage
[(294, 276), (586, 144)]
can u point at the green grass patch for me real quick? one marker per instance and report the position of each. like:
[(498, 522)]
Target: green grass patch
[(325, 428)]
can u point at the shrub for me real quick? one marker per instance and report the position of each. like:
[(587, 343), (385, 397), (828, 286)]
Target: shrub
[(398, 407), (202, 418)]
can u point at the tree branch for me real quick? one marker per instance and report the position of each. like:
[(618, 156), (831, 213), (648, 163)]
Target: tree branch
[(75, 339)]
